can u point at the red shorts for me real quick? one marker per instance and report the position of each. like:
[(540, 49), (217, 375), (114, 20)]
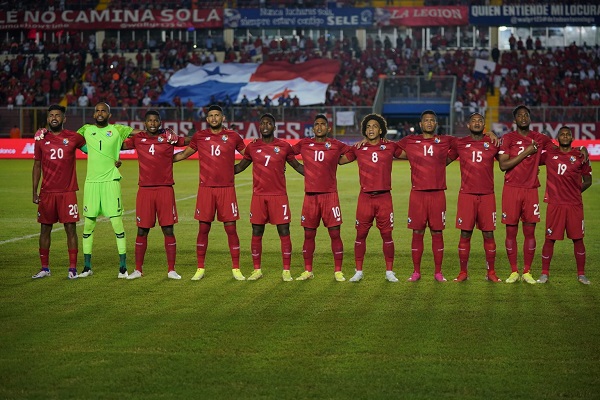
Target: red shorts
[(319, 206), (58, 207), (474, 208), (153, 202), (427, 208), (561, 218), (520, 203), (378, 207), (219, 200), (270, 209)]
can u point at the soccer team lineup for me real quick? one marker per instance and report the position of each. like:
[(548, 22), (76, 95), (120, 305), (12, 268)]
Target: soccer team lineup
[(519, 154)]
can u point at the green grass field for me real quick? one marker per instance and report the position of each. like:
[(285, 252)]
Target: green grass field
[(155, 338)]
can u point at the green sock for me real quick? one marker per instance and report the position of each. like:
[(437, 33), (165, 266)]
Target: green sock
[(87, 261), (122, 262)]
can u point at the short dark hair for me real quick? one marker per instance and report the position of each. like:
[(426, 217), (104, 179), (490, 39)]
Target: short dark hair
[(215, 107), (380, 120), (105, 103), (268, 115), (152, 112), (321, 116), (429, 112), (475, 113), (517, 108), (57, 107)]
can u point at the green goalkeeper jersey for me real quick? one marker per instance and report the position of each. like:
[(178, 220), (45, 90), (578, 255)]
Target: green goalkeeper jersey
[(103, 145)]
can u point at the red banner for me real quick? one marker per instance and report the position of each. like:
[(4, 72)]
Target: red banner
[(422, 16), (112, 19), (581, 130), (23, 148)]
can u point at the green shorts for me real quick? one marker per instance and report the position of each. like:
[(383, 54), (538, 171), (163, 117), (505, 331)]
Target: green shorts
[(102, 198)]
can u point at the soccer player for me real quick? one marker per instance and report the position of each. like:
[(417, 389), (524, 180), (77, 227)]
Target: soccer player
[(57, 199), (155, 197), (102, 190), (269, 196), (519, 158), (476, 199), (374, 159), (320, 156), (568, 175), (216, 147), (428, 154)]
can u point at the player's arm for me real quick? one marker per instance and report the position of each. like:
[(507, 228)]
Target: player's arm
[(493, 138), (585, 154), (587, 182), (182, 155), (344, 160), (297, 166), (507, 163), (241, 166), (36, 175)]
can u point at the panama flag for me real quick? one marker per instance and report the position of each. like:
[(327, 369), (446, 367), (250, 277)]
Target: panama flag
[(308, 81)]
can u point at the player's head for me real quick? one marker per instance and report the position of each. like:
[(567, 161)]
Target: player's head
[(267, 125), (214, 117), (522, 116), (321, 126), (373, 126), (152, 121), (428, 122), (565, 136), (476, 123), (102, 114), (56, 117)]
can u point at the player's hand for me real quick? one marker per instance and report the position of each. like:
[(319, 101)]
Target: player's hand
[(170, 135), (118, 163), (585, 154), (493, 138), (36, 198), (40, 133), (532, 148), (360, 144)]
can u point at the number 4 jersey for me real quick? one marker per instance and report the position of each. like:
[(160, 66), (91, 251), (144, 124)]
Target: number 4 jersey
[(57, 155)]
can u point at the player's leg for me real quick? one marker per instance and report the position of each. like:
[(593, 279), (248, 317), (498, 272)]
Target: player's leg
[(337, 248), (365, 214), (575, 227), (286, 250), (72, 246), (436, 217), (166, 213), (384, 217), (171, 251), (417, 221), (579, 250), (201, 247), (331, 212), (310, 219), (145, 216), (227, 212), (512, 200), (119, 229), (466, 213), (258, 231), (205, 213), (44, 251), (489, 246), (531, 216), (141, 244), (464, 249), (89, 224)]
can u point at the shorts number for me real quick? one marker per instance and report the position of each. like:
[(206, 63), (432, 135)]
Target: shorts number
[(536, 209), (234, 207), (494, 217), (444, 218), (319, 155), (73, 209), (392, 218), (285, 207), (336, 212)]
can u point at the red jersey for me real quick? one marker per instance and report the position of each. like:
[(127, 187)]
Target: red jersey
[(375, 165), (216, 156), (57, 155), (476, 164), (564, 172), (268, 169), (320, 161), (427, 159), (155, 157), (525, 174)]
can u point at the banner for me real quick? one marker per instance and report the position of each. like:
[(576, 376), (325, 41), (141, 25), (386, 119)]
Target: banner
[(112, 19), (483, 68), (422, 16), (345, 17), (23, 148), (581, 130), (212, 82), (539, 14)]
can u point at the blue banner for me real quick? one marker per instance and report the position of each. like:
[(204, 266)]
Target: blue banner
[(346, 17), (555, 14)]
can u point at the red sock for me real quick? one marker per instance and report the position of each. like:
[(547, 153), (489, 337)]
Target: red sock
[(202, 243), (547, 253), (437, 246), (308, 248), (511, 246), (579, 250), (528, 247), (489, 245), (286, 251), (141, 244), (360, 247), (388, 250), (337, 247), (45, 258), (256, 249), (234, 245), (464, 249), (171, 250), (73, 258), (417, 250)]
